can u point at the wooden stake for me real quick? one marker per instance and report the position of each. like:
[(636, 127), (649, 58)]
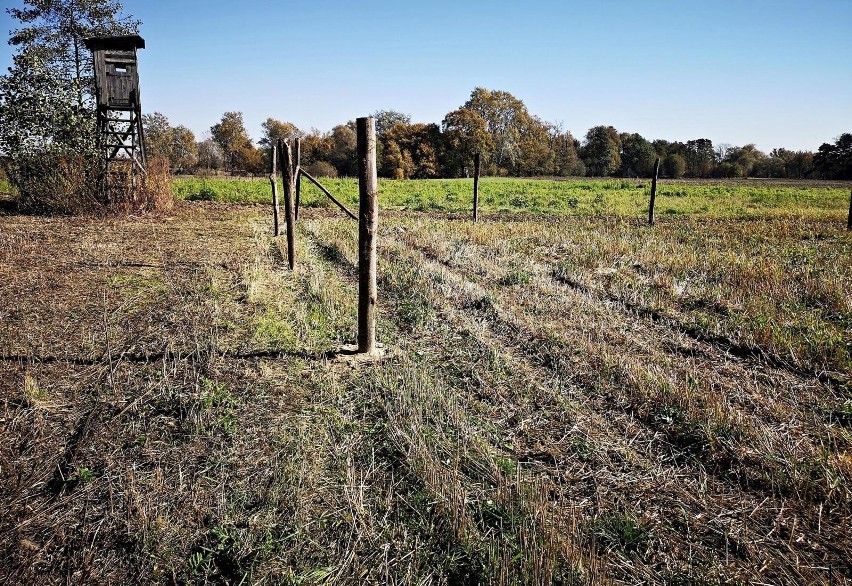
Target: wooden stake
[(297, 156), (653, 192), (368, 224), (273, 179), (849, 221), (475, 186), (289, 208)]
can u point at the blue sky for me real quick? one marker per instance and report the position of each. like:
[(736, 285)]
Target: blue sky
[(776, 73)]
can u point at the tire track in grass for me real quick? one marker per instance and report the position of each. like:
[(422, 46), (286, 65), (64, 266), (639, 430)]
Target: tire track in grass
[(471, 293), (406, 446), (749, 353), (766, 379), (759, 408), (449, 461), (729, 542)]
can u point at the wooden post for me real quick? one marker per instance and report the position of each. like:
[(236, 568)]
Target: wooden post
[(475, 186), (653, 192), (297, 156), (289, 209), (273, 179), (849, 221), (368, 223)]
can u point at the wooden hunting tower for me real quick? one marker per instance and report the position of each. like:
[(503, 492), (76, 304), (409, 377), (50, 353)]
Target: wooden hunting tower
[(120, 134)]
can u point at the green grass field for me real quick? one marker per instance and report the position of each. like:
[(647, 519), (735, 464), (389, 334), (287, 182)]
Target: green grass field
[(622, 197)]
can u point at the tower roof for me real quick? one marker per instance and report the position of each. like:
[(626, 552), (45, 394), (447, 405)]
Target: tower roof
[(120, 43)]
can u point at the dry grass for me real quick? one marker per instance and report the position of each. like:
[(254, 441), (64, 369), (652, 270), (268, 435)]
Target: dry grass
[(775, 287), (171, 412), (78, 186)]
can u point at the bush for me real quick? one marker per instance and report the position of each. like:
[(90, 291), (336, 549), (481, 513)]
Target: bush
[(54, 184), (674, 166), (727, 171), (322, 169), (206, 193), (493, 170)]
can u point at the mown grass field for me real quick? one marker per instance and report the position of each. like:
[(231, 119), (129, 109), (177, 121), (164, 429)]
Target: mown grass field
[(569, 398)]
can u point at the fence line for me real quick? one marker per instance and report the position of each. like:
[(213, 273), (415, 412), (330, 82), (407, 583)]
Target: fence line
[(368, 219)]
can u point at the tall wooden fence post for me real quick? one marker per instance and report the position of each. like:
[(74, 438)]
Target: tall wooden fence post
[(849, 221), (368, 223), (289, 208), (297, 156), (475, 186), (653, 192), (273, 179)]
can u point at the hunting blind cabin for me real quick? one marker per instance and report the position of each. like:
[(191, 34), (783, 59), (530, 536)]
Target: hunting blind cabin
[(121, 138)]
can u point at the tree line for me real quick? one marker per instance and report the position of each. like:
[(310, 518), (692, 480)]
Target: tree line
[(511, 141), (47, 113)]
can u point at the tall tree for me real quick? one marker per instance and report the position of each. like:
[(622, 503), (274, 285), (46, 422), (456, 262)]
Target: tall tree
[(210, 155), (184, 149), (601, 151), (747, 161), (231, 136), (316, 147), (505, 117), (159, 136), (834, 161), (637, 156), (386, 119), (536, 156), (566, 160), (411, 151), (273, 130), (344, 149), (465, 133), (665, 148), (661, 146), (700, 157), (396, 164), (791, 164), (176, 144)]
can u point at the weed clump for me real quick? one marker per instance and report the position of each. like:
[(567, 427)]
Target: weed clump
[(623, 532), (517, 277), (205, 193)]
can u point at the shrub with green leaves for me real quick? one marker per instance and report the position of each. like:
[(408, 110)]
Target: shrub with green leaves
[(205, 193)]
